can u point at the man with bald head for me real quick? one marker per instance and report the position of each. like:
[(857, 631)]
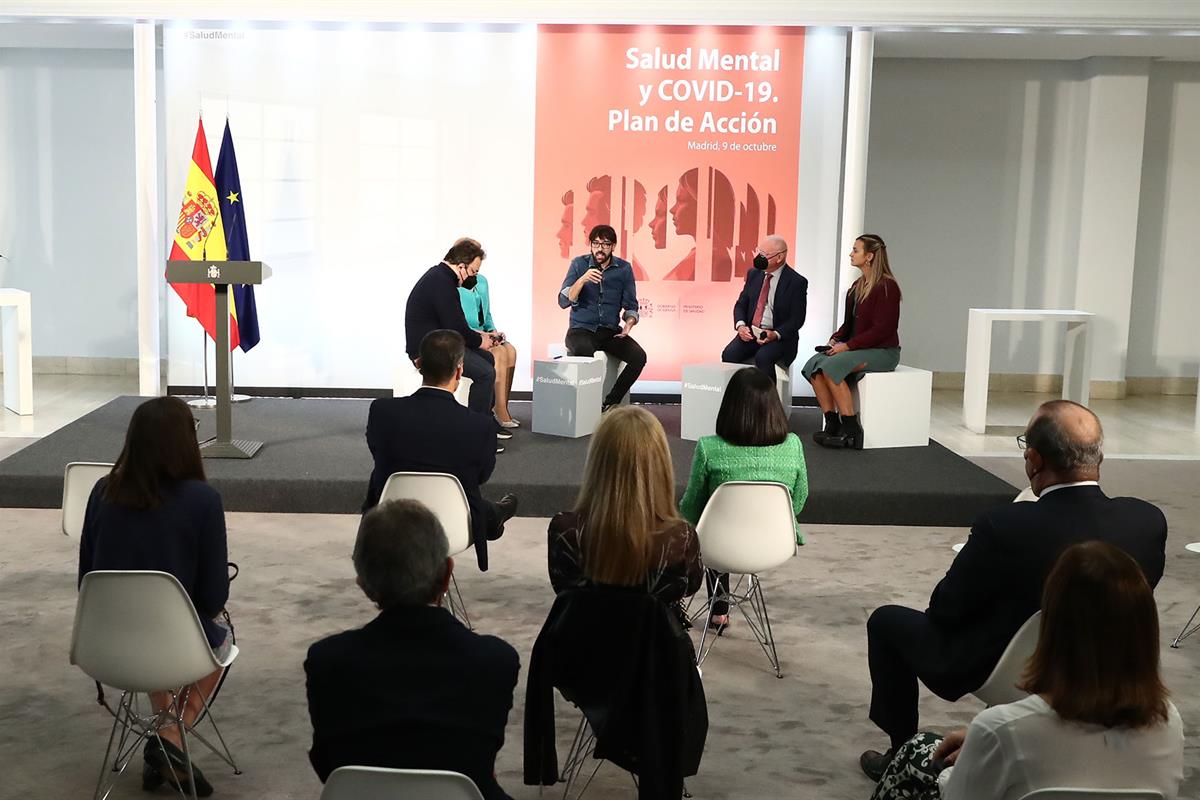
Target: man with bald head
[(769, 312), (995, 584)]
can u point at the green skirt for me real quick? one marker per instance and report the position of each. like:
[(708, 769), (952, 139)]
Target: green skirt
[(837, 367)]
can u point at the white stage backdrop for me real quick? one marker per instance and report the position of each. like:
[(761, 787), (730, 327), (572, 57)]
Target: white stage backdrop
[(365, 152)]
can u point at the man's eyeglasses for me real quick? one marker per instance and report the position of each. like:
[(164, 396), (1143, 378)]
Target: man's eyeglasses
[(1022, 442), (604, 245)]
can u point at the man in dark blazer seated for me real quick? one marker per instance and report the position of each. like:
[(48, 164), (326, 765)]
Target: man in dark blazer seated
[(430, 431), (769, 312), (995, 584), (413, 688), (433, 304)]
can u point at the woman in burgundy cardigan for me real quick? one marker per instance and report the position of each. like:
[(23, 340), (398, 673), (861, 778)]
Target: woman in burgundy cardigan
[(868, 341)]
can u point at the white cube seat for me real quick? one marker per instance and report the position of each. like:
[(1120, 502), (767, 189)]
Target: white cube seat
[(612, 367), (894, 407)]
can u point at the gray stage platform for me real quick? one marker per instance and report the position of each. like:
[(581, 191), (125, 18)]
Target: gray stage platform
[(315, 460)]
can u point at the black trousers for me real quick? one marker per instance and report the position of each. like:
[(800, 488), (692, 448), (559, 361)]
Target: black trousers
[(582, 342), (480, 367), (711, 576), (765, 356), (903, 646)]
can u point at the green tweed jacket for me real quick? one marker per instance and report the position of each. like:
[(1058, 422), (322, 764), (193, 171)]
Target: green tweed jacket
[(717, 461)]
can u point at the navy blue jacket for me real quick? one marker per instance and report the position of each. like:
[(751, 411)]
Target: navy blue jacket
[(602, 304), (183, 535), (433, 304), (412, 689), (996, 582), (430, 431), (791, 302)]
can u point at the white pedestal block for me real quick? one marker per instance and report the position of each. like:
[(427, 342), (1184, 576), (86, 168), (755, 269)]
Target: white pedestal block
[(894, 407), (701, 394), (408, 379), (567, 395), (16, 333), (612, 368)]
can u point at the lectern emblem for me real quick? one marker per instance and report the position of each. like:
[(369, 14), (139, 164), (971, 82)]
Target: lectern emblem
[(214, 271)]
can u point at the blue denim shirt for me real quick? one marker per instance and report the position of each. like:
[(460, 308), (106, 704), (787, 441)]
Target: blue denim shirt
[(602, 304)]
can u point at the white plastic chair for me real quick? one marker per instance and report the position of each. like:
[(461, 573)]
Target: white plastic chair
[(442, 494), (137, 632), (1094, 794), (79, 478), (747, 528), (1001, 685), (408, 379), (1188, 628), (378, 783)]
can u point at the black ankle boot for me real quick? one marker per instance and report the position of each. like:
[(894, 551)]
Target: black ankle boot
[(833, 427), (852, 433)]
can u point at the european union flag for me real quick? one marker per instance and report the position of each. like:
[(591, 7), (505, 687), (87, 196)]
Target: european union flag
[(229, 189)]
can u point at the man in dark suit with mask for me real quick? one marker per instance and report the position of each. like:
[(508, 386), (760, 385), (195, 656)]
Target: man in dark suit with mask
[(769, 312), (433, 304)]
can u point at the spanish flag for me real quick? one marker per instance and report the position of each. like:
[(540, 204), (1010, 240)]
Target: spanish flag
[(199, 236)]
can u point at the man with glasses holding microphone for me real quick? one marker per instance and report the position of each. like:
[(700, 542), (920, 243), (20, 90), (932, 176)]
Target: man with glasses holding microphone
[(601, 293)]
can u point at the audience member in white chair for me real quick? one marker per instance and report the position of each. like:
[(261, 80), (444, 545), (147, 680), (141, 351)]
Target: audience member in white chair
[(868, 341), (413, 688), (995, 583), (476, 299), (155, 511), (1097, 716), (625, 529), (752, 443)]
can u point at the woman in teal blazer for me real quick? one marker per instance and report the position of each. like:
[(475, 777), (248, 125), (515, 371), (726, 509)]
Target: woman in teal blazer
[(753, 443), (477, 307)]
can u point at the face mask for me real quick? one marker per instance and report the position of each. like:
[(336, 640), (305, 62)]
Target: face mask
[(470, 282), (760, 261)]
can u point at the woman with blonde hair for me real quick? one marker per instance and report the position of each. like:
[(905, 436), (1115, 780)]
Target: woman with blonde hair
[(868, 341), (625, 529)]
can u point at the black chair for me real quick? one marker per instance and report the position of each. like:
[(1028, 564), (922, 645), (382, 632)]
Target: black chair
[(635, 682)]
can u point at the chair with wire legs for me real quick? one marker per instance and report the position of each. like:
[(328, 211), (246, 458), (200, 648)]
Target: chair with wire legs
[(747, 528), (635, 686), (444, 496), (382, 783), (139, 633), (1188, 628)]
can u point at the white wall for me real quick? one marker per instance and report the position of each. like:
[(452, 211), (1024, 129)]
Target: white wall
[(974, 180), (973, 183), (1163, 338), (66, 196)]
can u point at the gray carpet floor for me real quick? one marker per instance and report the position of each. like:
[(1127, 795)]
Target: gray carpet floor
[(798, 737)]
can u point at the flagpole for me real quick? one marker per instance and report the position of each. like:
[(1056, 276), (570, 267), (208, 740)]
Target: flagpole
[(234, 397), (206, 401)]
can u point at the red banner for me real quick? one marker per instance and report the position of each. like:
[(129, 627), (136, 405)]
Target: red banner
[(685, 140)]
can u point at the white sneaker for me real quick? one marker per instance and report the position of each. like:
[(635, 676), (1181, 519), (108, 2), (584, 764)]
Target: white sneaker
[(512, 423)]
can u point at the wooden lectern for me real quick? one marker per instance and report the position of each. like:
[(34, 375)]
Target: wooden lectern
[(220, 274)]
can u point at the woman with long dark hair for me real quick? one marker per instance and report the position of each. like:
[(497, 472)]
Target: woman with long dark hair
[(1097, 715), (752, 443), (154, 511)]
